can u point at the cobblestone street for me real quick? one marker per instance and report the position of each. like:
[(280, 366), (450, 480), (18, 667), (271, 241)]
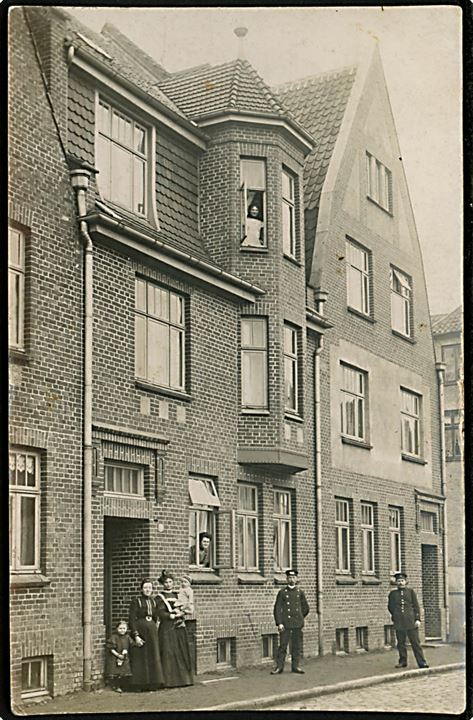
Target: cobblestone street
[(434, 693)]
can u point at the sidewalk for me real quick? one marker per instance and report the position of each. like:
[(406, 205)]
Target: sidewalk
[(214, 690)]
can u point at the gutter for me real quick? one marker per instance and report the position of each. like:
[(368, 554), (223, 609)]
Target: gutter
[(440, 368), (318, 498), (80, 183)]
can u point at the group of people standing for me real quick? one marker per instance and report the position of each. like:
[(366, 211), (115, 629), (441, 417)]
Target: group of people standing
[(151, 651)]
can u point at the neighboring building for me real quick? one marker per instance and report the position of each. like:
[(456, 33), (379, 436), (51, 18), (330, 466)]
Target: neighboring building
[(194, 392), (447, 331)]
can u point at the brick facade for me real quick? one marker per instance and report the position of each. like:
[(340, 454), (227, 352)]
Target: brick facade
[(197, 431)]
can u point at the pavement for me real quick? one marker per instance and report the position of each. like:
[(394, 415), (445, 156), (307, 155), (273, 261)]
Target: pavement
[(254, 687)]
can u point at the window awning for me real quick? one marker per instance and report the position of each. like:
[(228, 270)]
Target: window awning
[(203, 492)]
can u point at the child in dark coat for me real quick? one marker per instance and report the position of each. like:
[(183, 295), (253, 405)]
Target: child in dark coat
[(117, 661)]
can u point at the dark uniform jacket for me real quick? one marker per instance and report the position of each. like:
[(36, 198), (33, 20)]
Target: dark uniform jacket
[(404, 608), (290, 607)]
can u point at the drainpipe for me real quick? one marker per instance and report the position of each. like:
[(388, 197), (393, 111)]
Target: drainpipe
[(80, 183), (318, 495), (440, 367)]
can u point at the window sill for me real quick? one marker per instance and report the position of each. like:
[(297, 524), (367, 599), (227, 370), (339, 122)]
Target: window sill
[(381, 207), (177, 394), (452, 382), (250, 578), (251, 249), (361, 315), (407, 338), (294, 417), (457, 458), (357, 443), (345, 580), (17, 355), (204, 577), (416, 460), (280, 578), (250, 411), (370, 580), (292, 260), (29, 580)]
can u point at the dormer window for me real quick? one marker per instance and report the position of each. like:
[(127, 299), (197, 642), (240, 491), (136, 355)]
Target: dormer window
[(379, 183), (121, 158), (253, 203)]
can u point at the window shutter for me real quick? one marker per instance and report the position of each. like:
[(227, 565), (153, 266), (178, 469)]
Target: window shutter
[(225, 548)]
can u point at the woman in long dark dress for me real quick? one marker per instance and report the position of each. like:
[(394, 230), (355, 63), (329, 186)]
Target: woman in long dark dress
[(173, 641), (146, 668)]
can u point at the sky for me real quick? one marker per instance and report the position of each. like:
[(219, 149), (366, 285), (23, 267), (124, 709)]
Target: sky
[(421, 53)]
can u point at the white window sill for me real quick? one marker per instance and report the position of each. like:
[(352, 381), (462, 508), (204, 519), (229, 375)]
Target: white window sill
[(204, 577), (381, 207), (254, 411), (360, 314), (25, 579), (160, 390), (251, 249), (292, 260), (288, 415), (250, 577), (356, 442), (402, 336), (413, 459)]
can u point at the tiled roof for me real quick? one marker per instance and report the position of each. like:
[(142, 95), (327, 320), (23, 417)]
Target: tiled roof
[(148, 63), (447, 322), (318, 103), (232, 86)]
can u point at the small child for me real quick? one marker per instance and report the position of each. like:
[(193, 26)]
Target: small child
[(117, 662), (185, 597)]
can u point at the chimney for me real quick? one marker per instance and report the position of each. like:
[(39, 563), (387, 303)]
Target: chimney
[(241, 33)]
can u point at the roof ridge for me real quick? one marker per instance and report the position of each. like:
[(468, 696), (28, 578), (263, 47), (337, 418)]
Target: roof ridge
[(235, 86), (329, 74), (264, 87), (110, 32)]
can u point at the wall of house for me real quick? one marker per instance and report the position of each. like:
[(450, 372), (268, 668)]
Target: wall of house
[(45, 379)]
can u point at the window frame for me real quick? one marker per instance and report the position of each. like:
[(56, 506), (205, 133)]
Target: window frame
[(379, 175), (16, 494), (179, 329), (43, 687), (433, 521), (247, 517), (229, 651), (17, 270), (368, 529), (404, 300), (289, 202), (210, 508), (363, 303), (395, 538), (347, 393), (272, 641), (140, 495), (342, 530), (291, 367), (452, 431), (249, 351), (245, 190), (457, 364), (413, 419), (281, 519)]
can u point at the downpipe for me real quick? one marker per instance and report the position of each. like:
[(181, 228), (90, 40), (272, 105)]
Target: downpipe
[(318, 497), (80, 183), (440, 368)]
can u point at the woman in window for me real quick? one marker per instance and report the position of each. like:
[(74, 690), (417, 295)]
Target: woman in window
[(173, 640), (254, 235), (146, 668)]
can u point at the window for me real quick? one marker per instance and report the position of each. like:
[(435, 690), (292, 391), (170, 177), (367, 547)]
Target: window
[(160, 335), (379, 182), (269, 646), (453, 442), (121, 158), (358, 278), (34, 677), (16, 288), (253, 203), (288, 215), (341, 640), (342, 530), (124, 479), (368, 538), (401, 302), (204, 503), (254, 363), (451, 356), (291, 400), (410, 423), (226, 651), (389, 636), (25, 498), (428, 521), (247, 521), (352, 402), (362, 638), (395, 538), (282, 529)]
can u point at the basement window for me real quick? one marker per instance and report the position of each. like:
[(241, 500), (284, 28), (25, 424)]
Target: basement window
[(34, 677)]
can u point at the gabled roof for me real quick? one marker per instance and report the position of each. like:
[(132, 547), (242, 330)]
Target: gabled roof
[(447, 322), (147, 63), (210, 89)]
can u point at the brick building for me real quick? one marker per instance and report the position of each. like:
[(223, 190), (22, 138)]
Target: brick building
[(219, 323), (447, 331)]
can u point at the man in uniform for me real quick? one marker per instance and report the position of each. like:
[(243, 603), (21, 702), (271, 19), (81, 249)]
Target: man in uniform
[(290, 609), (405, 613)]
